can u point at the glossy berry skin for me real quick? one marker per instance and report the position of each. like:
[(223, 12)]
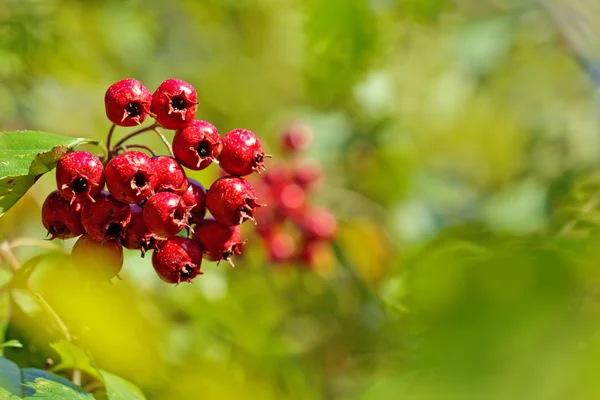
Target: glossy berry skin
[(318, 224), (195, 197), (231, 200), (170, 176), (165, 214), (60, 218), (174, 104), (177, 259), (127, 102), (242, 153), (106, 218), (79, 177), (218, 242), (296, 138), (280, 247), (197, 145), (137, 235), (95, 260), (130, 177)]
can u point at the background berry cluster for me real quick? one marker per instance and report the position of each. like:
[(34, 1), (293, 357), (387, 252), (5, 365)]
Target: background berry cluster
[(149, 202), (293, 229)]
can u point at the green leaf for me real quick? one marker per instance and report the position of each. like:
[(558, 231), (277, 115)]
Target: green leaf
[(10, 343), (120, 389), (10, 376), (43, 384), (24, 157), (72, 357), (6, 395)]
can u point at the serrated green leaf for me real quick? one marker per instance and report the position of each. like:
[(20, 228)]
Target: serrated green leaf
[(10, 376), (38, 383), (118, 388), (72, 357), (24, 157)]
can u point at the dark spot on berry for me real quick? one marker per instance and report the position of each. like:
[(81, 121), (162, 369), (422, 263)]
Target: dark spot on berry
[(134, 109), (80, 185), (111, 211), (186, 272), (140, 180), (179, 214), (178, 103), (114, 230), (203, 149)]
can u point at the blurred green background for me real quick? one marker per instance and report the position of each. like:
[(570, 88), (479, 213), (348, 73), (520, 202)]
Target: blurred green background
[(460, 144)]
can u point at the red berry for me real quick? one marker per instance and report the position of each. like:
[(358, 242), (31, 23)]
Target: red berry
[(297, 137), (218, 242), (231, 200), (106, 218), (197, 145), (61, 219), (317, 254), (174, 104), (290, 200), (137, 235), (165, 214), (79, 177), (242, 153), (277, 175), (170, 176), (130, 177), (177, 259), (280, 247), (101, 261), (307, 173), (127, 102), (318, 224), (195, 197)]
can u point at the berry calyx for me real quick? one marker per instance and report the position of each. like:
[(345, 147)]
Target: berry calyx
[(195, 197), (170, 176), (130, 177), (96, 260), (106, 218), (137, 235), (174, 104), (177, 260), (127, 102), (231, 200), (242, 153), (79, 176), (165, 214), (197, 145), (218, 242), (60, 218)]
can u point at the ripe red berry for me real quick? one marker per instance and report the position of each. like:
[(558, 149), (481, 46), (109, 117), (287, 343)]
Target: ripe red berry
[(177, 259), (165, 214), (318, 224), (61, 219), (170, 176), (79, 177), (290, 200), (218, 242), (130, 177), (231, 200), (174, 104), (137, 235), (242, 153), (197, 145), (195, 197), (96, 260), (127, 102), (280, 247), (106, 218), (297, 137), (307, 173)]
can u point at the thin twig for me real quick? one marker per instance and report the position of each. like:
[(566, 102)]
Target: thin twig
[(7, 254), (139, 146), (165, 141), (109, 138), (31, 242), (59, 322), (76, 377), (135, 133)]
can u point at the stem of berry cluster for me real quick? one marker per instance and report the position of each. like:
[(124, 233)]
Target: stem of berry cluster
[(121, 143)]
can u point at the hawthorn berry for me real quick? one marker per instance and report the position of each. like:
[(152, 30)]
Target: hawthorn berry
[(130, 177), (96, 260), (280, 246), (231, 200), (195, 197), (165, 214), (218, 242), (307, 173), (174, 104), (297, 137), (242, 153), (79, 177), (137, 235), (197, 145), (318, 224), (106, 218), (60, 218), (170, 176), (127, 102), (177, 259)]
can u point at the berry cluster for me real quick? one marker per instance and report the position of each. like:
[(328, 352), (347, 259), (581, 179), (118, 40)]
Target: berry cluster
[(292, 229), (149, 202)]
